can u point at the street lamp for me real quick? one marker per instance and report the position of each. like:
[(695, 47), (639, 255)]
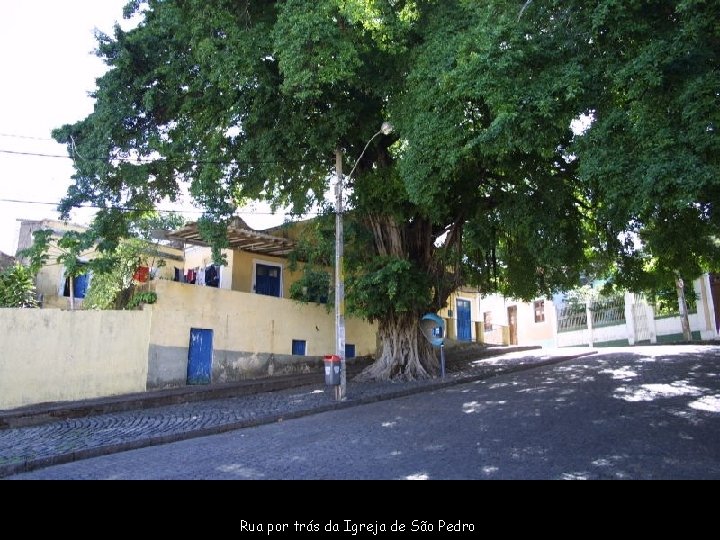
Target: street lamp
[(340, 390)]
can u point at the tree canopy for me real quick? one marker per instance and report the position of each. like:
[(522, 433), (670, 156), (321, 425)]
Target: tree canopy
[(483, 181)]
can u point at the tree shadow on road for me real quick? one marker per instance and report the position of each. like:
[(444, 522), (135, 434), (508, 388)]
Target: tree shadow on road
[(636, 413)]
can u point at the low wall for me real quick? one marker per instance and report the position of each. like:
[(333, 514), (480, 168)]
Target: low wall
[(53, 355), (252, 334)]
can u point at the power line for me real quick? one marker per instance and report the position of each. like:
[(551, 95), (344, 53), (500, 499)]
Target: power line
[(33, 154), (26, 137), (152, 160), (246, 212)]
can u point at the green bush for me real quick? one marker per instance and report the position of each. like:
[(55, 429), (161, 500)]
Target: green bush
[(17, 288), (138, 299)]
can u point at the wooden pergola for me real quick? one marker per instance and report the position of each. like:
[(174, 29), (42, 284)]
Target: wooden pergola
[(240, 236)]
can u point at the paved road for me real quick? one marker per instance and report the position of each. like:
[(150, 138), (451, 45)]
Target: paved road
[(642, 413)]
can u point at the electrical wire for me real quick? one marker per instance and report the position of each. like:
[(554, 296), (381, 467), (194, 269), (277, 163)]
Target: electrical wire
[(245, 212), (150, 160), (26, 137)]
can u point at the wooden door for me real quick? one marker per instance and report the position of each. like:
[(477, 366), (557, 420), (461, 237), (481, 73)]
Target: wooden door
[(512, 324)]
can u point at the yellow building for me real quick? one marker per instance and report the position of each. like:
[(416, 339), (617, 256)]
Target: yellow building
[(52, 284), (242, 311), (256, 260)]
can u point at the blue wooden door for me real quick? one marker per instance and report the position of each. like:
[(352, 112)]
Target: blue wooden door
[(267, 280), (199, 369), (464, 330)]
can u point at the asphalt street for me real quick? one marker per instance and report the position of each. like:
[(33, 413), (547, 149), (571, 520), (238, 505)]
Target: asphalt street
[(632, 413)]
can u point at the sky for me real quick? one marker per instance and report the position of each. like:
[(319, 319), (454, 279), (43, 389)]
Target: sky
[(48, 69)]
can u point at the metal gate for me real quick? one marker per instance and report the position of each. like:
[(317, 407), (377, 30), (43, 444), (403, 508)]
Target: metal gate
[(640, 315)]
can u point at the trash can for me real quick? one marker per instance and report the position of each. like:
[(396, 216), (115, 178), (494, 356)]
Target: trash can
[(332, 369)]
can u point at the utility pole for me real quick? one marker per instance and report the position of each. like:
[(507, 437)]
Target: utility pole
[(340, 390), (339, 278)]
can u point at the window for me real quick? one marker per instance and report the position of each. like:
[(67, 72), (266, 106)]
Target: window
[(349, 350), (212, 275), (539, 307), (298, 347), (487, 321)]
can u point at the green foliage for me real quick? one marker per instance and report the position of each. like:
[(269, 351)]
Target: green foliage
[(388, 285), (37, 253), (665, 301), (146, 297), (483, 181), (17, 287), (72, 245), (314, 257), (113, 274), (113, 270), (313, 286)]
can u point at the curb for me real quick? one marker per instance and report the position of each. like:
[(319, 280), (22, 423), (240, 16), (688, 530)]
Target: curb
[(39, 463)]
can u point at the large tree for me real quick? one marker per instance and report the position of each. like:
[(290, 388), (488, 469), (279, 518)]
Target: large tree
[(250, 99), (647, 75)]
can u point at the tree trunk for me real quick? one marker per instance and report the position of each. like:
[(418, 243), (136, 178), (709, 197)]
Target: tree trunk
[(72, 293), (684, 320), (404, 354)]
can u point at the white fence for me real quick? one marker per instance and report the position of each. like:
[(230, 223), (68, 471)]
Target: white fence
[(620, 320)]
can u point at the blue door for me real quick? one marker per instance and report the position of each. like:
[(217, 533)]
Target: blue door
[(200, 356), (464, 330), (267, 280)]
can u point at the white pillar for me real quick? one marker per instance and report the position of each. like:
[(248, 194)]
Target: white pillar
[(554, 322), (630, 317), (650, 321), (705, 307)]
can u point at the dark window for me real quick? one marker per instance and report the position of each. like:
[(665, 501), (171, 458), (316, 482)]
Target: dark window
[(539, 306), (212, 275), (298, 347), (349, 350)]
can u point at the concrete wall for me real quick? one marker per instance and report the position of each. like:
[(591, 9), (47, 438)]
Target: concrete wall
[(252, 334), (52, 355)]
